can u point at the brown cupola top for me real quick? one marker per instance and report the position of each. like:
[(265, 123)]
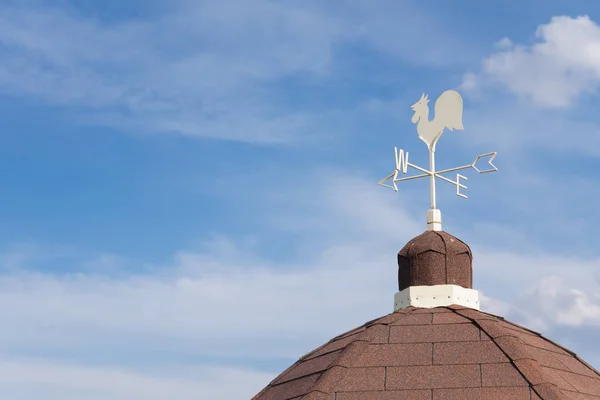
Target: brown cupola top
[(435, 258), (435, 269)]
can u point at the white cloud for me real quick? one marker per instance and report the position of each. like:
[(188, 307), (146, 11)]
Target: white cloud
[(561, 65), (493, 305), (469, 82), (553, 301), (31, 379)]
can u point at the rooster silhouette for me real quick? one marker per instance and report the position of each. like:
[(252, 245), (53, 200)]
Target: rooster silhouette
[(448, 114)]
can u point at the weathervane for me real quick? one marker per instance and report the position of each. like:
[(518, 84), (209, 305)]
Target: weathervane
[(448, 114)]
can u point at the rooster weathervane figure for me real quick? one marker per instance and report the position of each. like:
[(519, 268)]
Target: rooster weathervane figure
[(448, 115)]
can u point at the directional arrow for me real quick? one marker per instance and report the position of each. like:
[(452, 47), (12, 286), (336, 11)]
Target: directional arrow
[(393, 177), (491, 155), (435, 174)]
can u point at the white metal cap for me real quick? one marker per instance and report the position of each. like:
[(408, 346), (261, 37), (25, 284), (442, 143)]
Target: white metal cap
[(434, 220)]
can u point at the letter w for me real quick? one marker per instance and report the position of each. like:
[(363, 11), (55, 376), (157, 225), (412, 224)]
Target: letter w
[(401, 160)]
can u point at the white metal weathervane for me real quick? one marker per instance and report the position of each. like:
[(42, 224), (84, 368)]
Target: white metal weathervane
[(448, 114)]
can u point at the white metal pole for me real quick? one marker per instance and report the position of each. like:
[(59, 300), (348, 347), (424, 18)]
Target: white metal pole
[(432, 178)]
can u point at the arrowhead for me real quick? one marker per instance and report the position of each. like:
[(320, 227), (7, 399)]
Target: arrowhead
[(491, 158), (393, 177)]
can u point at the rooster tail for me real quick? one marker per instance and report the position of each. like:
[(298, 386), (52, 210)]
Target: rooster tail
[(449, 110)]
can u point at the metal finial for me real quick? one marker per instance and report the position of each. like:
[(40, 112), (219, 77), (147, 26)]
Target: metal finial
[(448, 115)]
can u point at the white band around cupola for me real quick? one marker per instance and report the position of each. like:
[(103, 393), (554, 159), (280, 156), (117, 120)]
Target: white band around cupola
[(436, 296)]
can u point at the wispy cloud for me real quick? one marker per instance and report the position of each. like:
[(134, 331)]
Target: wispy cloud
[(194, 71), (202, 69)]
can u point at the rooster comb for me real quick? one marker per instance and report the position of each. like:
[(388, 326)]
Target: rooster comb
[(424, 97)]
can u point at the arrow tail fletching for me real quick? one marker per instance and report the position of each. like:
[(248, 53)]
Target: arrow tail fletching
[(491, 155)]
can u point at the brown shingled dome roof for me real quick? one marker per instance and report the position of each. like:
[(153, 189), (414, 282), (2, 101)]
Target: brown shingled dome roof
[(442, 353)]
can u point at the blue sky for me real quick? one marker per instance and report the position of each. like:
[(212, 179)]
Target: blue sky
[(189, 194)]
